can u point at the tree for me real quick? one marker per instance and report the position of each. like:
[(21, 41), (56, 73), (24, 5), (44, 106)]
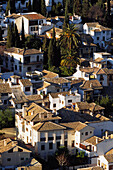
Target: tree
[(10, 6), (43, 7), (29, 5), (9, 37), (69, 48), (33, 42), (1, 34), (16, 36), (50, 54), (62, 156), (6, 119), (23, 34), (45, 49), (12, 33), (77, 7), (66, 19), (85, 8)]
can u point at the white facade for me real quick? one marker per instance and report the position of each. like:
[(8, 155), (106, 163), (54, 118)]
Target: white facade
[(99, 33), (62, 101)]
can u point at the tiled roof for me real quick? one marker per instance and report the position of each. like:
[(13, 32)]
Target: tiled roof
[(89, 70), (98, 60), (26, 82), (39, 113), (5, 88), (33, 97), (92, 24), (13, 16), (49, 74), (45, 84), (77, 126), (47, 126), (34, 16), (20, 97), (89, 106), (7, 144), (55, 95), (21, 51), (91, 84), (109, 158), (59, 80), (92, 140)]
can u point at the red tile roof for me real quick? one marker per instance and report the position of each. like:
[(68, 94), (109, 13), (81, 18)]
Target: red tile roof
[(34, 16)]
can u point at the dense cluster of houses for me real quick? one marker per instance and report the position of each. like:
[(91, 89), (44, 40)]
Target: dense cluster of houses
[(52, 111)]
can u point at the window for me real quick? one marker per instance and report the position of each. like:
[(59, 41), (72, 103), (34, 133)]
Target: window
[(73, 143), (42, 147), (58, 144), (101, 77), (65, 144), (58, 137), (20, 68), (27, 59), (30, 133), (42, 139), (57, 90), (50, 138), (54, 105), (69, 101), (50, 145), (15, 67), (103, 38), (99, 162), (8, 159), (86, 133), (20, 150), (5, 101), (62, 102), (29, 68), (90, 131), (32, 28), (103, 32), (27, 88), (82, 133), (22, 159), (37, 58), (97, 38)]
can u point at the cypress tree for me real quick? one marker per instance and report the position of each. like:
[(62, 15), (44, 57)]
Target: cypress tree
[(12, 32), (10, 6), (36, 4), (50, 55), (9, 38), (29, 6), (17, 37), (1, 34), (77, 7), (85, 8), (66, 19), (54, 47), (43, 7), (23, 34), (108, 7), (45, 49)]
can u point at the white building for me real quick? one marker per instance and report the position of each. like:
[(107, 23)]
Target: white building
[(21, 61), (62, 99), (99, 33)]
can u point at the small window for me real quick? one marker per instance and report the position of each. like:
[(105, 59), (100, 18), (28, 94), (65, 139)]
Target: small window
[(58, 137), (5, 101), (69, 101), (32, 28), (27, 88), (42, 147), (97, 38), (73, 143), (50, 138), (22, 159), (54, 105), (27, 129), (58, 144), (20, 68), (82, 133), (29, 68), (30, 133), (15, 67), (65, 144), (37, 58), (50, 145), (8, 159), (57, 90), (90, 132), (86, 133), (42, 139)]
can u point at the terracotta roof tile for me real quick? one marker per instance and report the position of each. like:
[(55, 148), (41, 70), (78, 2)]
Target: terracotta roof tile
[(93, 139), (34, 16), (26, 82)]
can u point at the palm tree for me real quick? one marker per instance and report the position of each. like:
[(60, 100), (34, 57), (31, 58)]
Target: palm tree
[(69, 47)]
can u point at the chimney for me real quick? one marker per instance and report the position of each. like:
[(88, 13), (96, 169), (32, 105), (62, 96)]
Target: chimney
[(18, 50), (96, 140), (91, 85), (106, 134), (5, 142)]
